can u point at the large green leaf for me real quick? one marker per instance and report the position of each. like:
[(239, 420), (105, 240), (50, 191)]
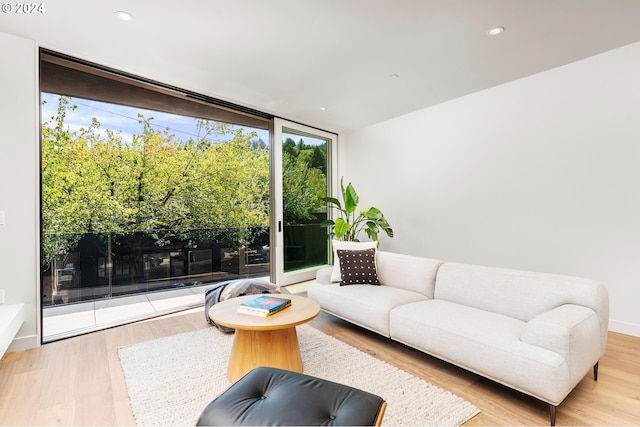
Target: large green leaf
[(389, 231), (372, 230), (350, 199), (332, 200), (372, 214), (341, 228), (327, 223)]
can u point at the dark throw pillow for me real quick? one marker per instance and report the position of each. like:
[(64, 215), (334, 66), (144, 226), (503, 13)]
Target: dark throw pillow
[(358, 267)]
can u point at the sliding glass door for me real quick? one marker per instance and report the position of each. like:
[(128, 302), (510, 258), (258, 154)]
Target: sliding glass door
[(302, 157)]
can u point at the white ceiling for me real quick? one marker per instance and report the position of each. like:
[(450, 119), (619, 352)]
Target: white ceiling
[(292, 57)]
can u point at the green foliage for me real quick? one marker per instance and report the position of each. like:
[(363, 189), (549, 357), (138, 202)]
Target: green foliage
[(93, 181), (347, 226), (304, 182)]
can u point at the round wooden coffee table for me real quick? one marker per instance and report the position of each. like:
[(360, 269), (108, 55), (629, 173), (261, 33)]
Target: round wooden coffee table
[(264, 341)]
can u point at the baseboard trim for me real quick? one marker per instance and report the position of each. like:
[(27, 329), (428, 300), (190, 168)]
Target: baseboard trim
[(626, 328)]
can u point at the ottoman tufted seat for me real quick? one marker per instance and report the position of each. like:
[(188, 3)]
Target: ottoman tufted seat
[(270, 396)]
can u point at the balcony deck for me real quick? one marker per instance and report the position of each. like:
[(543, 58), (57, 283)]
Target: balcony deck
[(74, 319)]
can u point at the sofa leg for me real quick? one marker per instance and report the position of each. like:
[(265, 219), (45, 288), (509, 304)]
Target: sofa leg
[(552, 415), (595, 371)]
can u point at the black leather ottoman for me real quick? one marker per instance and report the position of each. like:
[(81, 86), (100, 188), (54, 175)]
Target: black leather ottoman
[(270, 396)]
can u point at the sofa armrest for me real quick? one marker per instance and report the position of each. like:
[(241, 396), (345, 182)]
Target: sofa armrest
[(572, 331), (323, 276)]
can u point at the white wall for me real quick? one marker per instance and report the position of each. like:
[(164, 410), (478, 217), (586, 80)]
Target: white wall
[(541, 174), (19, 191)]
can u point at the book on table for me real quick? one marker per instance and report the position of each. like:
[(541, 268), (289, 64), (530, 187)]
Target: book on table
[(264, 305)]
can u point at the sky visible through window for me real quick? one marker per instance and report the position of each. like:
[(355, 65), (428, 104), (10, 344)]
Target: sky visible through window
[(125, 119)]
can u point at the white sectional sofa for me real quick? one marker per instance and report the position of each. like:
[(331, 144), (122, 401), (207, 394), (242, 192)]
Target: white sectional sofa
[(534, 332)]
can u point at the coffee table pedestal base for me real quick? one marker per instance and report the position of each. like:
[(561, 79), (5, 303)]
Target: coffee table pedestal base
[(276, 348)]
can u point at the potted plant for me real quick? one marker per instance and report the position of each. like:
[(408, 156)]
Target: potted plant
[(347, 226)]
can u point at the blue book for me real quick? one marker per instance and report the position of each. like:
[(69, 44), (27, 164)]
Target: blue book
[(264, 305)]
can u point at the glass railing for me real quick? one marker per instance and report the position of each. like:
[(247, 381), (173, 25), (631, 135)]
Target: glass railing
[(106, 265), (95, 266)]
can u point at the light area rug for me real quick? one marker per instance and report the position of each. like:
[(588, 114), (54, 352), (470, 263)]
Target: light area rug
[(171, 380)]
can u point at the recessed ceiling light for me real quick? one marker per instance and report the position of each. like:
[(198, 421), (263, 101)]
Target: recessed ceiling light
[(323, 108), (495, 31), (124, 16)]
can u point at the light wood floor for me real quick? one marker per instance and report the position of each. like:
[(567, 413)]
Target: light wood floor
[(79, 381)]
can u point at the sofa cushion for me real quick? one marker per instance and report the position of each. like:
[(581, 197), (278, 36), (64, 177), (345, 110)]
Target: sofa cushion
[(339, 244), (519, 294), (407, 272), (483, 342), (364, 305), (358, 267), (323, 275)]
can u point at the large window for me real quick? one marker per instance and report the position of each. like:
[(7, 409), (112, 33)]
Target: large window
[(145, 187)]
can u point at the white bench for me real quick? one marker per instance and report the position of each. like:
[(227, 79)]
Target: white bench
[(11, 319)]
